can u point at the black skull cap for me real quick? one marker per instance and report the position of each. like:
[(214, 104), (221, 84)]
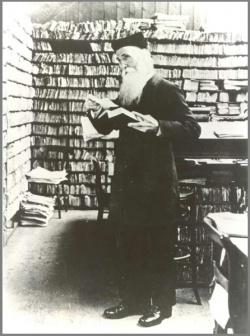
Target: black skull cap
[(135, 40)]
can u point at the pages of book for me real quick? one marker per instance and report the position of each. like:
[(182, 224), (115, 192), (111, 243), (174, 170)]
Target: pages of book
[(105, 103), (90, 133), (119, 112), (88, 130)]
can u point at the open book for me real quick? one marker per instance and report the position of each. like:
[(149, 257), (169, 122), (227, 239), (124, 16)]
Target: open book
[(119, 117)]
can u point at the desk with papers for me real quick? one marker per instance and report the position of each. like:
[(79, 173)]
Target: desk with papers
[(211, 146)]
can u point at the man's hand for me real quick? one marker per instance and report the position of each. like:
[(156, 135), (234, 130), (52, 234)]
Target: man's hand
[(146, 123), (92, 107)]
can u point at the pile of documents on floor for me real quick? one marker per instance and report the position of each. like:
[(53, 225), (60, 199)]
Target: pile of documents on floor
[(36, 210)]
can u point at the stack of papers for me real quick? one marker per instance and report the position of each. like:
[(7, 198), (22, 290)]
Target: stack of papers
[(191, 85), (42, 175), (228, 109), (170, 21), (208, 85), (235, 84), (36, 210), (137, 23)]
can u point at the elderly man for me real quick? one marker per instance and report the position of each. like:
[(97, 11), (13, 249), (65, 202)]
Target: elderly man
[(145, 197)]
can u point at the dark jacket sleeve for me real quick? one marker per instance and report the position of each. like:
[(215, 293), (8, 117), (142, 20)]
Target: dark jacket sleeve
[(180, 123)]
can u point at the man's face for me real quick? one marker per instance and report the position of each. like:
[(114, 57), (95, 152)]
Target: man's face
[(128, 59)]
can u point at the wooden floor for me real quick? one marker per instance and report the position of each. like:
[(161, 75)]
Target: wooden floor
[(60, 278)]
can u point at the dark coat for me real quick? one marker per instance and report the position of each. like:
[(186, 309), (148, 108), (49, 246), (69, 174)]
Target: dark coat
[(145, 186)]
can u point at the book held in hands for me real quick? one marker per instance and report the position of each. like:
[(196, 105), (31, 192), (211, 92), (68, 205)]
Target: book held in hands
[(119, 117)]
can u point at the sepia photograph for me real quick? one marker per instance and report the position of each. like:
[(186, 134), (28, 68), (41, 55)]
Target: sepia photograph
[(125, 167)]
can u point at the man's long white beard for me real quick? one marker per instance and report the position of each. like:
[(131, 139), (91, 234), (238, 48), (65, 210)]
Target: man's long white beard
[(131, 88)]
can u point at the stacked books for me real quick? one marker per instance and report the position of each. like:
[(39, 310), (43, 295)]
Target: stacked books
[(205, 85), (135, 24), (170, 21), (42, 175), (191, 85), (201, 113), (208, 85), (36, 210), (224, 97), (227, 108)]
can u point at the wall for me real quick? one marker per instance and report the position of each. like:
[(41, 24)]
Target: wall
[(17, 114), (96, 10)]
